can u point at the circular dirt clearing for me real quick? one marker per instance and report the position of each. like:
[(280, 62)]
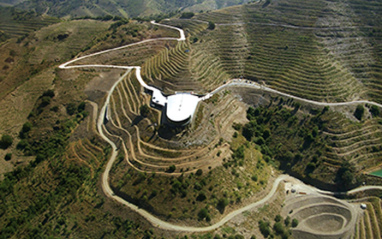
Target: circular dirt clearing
[(325, 222)]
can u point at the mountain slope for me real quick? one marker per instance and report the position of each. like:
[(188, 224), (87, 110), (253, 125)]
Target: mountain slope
[(125, 8)]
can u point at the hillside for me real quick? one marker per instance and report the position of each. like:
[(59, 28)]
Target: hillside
[(17, 23), (281, 66), (57, 156), (328, 54), (124, 8), (320, 50)]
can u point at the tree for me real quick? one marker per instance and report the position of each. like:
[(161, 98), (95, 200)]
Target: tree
[(187, 15), (8, 156), (49, 93), (211, 25), (374, 110), (26, 127), (6, 141), (345, 174), (278, 218), (201, 197), (81, 107), (278, 227), (145, 110), (347, 177), (266, 133), (222, 203), (171, 169), (71, 108), (264, 228), (199, 172), (45, 100), (358, 113)]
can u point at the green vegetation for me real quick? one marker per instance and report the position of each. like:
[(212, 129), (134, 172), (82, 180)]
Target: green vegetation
[(278, 229), (8, 156), (6, 141), (145, 110), (211, 25), (359, 111), (299, 56), (294, 222), (59, 187), (374, 110), (298, 142), (187, 15), (203, 195)]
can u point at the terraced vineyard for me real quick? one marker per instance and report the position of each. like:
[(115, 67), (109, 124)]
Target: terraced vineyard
[(147, 148), (316, 50), (164, 153), (85, 153), (289, 58), (319, 50), (16, 24), (370, 225), (357, 144)]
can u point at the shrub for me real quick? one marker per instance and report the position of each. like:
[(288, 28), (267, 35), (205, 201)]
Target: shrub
[(287, 221), (201, 197), (22, 144), (294, 222), (211, 25), (238, 236), (71, 108), (199, 172), (49, 93), (54, 108), (6, 141), (203, 213), (8, 156)]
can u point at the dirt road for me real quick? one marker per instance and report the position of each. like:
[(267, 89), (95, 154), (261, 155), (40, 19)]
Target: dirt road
[(241, 83)]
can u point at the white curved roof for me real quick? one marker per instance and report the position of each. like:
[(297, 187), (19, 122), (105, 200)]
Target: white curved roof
[(181, 106)]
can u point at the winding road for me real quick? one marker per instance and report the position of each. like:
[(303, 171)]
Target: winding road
[(235, 82)]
